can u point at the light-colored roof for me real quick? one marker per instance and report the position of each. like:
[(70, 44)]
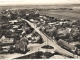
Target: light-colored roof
[(52, 23), (64, 31), (13, 21), (15, 26), (3, 37)]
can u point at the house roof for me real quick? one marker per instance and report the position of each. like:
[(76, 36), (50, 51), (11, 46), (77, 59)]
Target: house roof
[(13, 21), (3, 37), (64, 31), (15, 26), (64, 43)]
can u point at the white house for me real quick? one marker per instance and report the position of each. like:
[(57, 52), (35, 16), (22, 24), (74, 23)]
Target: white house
[(6, 40)]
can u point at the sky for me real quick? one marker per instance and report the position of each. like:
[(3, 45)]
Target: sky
[(38, 2)]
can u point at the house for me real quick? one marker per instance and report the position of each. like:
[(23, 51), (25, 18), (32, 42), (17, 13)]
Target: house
[(42, 28), (36, 38), (53, 23), (51, 29), (66, 45), (40, 16), (27, 14), (63, 31), (5, 39), (13, 21), (51, 32), (29, 36), (5, 48), (45, 17), (41, 20), (15, 26), (12, 30)]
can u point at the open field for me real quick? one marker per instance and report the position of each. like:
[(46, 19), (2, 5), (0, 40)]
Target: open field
[(65, 14)]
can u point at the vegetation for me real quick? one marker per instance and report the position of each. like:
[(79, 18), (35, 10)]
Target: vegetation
[(37, 55), (47, 47)]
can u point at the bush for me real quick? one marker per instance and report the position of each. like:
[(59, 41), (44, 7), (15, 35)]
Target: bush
[(40, 40), (37, 55), (78, 46), (47, 47), (21, 46)]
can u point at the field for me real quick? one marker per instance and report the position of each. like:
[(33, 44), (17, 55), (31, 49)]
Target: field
[(65, 14)]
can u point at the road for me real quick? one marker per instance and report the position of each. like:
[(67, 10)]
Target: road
[(32, 47), (52, 43)]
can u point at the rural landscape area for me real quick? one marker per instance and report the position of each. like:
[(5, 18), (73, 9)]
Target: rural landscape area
[(40, 31)]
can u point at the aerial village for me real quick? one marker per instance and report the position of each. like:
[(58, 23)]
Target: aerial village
[(29, 35)]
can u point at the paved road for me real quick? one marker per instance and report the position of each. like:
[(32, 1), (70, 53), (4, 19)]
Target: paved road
[(16, 55), (56, 47)]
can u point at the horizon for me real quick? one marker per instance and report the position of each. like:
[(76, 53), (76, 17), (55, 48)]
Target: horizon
[(37, 2)]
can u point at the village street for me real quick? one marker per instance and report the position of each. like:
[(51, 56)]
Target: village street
[(57, 48), (37, 47)]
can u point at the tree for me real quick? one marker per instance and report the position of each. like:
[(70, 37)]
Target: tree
[(21, 46)]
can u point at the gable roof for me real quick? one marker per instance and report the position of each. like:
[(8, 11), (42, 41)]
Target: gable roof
[(3, 37), (64, 43)]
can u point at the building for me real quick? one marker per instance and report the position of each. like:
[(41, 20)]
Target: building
[(15, 26), (66, 45), (4, 39)]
